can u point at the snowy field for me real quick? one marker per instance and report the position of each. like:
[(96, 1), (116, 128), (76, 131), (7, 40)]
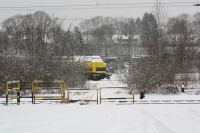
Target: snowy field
[(53, 117), (75, 118)]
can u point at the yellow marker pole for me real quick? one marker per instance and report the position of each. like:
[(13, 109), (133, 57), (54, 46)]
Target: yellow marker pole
[(64, 88)]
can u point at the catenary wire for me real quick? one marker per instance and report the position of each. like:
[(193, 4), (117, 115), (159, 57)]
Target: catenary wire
[(102, 5)]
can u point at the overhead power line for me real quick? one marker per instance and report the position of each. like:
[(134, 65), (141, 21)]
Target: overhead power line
[(101, 5), (162, 3)]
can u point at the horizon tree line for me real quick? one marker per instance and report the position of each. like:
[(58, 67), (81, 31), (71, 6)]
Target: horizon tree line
[(38, 39)]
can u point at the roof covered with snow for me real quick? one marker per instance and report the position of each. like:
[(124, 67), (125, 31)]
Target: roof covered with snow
[(88, 58)]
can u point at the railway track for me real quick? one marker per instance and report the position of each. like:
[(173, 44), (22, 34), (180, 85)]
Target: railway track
[(162, 102)]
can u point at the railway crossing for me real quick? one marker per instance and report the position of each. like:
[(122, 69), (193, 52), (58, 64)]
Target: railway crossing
[(57, 91)]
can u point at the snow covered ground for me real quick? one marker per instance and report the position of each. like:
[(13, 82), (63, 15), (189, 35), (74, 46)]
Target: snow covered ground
[(113, 82), (74, 118), (53, 117)]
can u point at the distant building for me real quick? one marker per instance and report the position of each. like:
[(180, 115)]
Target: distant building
[(120, 45), (125, 38), (124, 45)]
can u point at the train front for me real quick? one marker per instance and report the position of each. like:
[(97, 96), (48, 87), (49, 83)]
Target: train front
[(97, 69)]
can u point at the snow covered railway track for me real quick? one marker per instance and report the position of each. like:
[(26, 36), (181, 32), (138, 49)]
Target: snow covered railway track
[(167, 102)]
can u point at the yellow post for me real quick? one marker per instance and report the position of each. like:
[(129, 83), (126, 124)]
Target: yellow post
[(63, 89)]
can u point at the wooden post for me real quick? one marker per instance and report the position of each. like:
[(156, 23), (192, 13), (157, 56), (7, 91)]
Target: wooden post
[(6, 92), (32, 97), (97, 97), (68, 95), (18, 96), (18, 93), (33, 93), (63, 97), (62, 93)]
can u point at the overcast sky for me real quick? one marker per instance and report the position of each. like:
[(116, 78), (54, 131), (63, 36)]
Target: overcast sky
[(86, 12)]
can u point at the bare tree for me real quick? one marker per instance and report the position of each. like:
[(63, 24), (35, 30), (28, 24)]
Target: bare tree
[(39, 42)]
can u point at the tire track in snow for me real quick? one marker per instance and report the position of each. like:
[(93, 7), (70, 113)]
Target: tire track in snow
[(42, 123), (159, 125), (67, 123)]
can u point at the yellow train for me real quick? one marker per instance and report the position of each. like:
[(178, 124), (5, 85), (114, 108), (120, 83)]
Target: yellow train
[(96, 68)]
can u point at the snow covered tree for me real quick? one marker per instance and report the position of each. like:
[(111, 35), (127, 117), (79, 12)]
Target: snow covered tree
[(34, 45)]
